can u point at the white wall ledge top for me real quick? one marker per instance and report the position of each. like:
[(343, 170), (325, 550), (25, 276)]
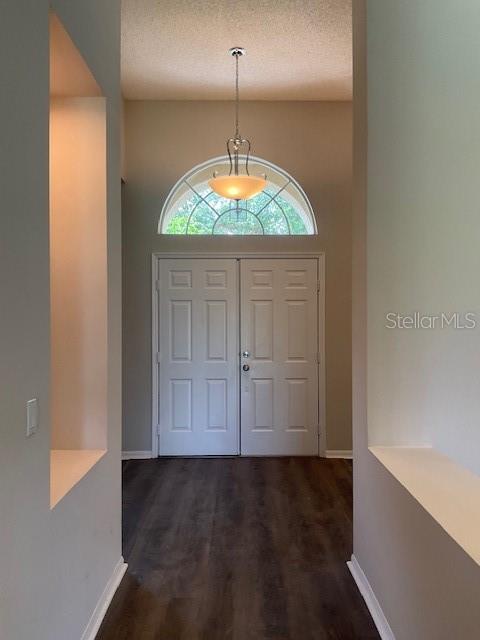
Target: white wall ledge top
[(446, 490)]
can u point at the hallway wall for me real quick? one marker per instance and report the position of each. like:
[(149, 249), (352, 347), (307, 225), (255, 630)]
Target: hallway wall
[(424, 224), (54, 564), (310, 140), (409, 189)]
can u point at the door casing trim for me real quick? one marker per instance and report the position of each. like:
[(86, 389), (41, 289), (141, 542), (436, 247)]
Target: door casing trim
[(238, 255)]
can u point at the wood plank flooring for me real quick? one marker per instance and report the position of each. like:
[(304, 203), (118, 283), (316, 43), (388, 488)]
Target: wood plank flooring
[(237, 549)]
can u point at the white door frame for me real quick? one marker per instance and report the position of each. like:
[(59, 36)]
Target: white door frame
[(236, 255)]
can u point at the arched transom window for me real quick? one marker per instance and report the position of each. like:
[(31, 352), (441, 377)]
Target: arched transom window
[(192, 208)]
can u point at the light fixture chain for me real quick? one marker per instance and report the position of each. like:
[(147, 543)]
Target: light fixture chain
[(236, 186), (237, 99)]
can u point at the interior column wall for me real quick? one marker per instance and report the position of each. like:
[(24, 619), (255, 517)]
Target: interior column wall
[(423, 229), (55, 564), (426, 584)]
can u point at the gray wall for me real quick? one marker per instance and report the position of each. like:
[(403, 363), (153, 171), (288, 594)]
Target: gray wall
[(312, 141), (55, 564), (424, 223), (421, 83)]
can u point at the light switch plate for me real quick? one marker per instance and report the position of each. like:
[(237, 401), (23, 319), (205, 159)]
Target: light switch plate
[(32, 417)]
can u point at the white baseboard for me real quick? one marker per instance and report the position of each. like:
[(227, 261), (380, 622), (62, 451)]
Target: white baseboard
[(136, 455), (371, 601), (347, 454), (98, 615)]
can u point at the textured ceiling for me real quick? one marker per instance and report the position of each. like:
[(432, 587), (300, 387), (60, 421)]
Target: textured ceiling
[(296, 49)]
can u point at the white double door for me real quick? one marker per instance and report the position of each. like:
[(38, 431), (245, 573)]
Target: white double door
[(237, 357)]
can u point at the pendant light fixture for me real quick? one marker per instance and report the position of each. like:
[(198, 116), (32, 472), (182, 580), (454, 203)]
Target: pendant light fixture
[(237, 186)]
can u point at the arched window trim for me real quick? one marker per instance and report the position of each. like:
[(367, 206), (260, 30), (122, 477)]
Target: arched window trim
[(185, 180)]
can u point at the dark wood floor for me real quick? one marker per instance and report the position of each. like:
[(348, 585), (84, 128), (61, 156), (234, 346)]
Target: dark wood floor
[(241, 549)]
